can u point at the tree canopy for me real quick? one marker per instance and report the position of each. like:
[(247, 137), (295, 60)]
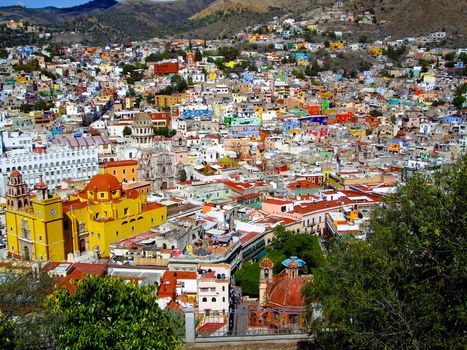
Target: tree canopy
[(404, 287), (108, 313), (284, 245)]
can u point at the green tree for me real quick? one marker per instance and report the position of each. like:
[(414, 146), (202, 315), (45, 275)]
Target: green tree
[(306, 247), (280, 236), (404, 287), (126, 131), (22, 302), (198, 55), (8, 336), (298, 74), (395, 53), (230, 53), (182, 175), (108, 313), (248, 278), (3, 53), (458, 101)]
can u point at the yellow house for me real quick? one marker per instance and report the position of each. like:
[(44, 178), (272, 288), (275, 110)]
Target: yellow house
[(167, 101), (375, 51), (336, 45), (46, 228), (327, 95), (123, 170), (230, 64)]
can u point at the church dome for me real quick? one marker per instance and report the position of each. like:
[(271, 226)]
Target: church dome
[(286, 292), (142, 120), (103, 182), (293, 264), (15, 173), (266, 262)]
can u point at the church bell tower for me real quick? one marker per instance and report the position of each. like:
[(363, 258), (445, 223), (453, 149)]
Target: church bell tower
[(265, 277)]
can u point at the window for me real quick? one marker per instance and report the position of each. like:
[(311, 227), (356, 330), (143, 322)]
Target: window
[(125, 211), (116, 233), (223, 299), (133, 170), (102, 195), (132, 229), (124, 171), (98, 236), (205, 300), (213, 300), (223, 288), (40, 238), (115, 172)]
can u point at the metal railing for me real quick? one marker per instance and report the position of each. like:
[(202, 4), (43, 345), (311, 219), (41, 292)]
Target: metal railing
[(249, 321)]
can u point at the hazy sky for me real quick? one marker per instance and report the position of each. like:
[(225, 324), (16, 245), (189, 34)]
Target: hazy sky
[(45, 3)]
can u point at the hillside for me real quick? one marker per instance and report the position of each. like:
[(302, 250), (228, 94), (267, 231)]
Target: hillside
[(53, 15), (101, 21), (260, 6), (401, 18)]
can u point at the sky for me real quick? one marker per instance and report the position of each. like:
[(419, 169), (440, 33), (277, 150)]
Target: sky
[(43, 3)]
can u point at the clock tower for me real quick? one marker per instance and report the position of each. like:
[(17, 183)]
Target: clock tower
[(34, 224), (49, 217)]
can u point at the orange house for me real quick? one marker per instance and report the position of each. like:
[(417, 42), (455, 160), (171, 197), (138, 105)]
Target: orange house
[(123, 170)]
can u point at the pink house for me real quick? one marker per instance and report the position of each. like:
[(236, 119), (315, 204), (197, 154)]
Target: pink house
[(276, 206)]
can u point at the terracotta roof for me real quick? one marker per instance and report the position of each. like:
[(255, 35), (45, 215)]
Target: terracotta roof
[(103, 182), (209, 328), (81, 270), (266, 262), (276, 201), (15, 173), (168, 282), (41, 184), (119, 163), (286, 292)]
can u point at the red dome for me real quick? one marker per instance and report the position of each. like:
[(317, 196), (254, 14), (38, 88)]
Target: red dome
[(15, 173), (287, 292), (266, 262), (293, 264), (103, 182)]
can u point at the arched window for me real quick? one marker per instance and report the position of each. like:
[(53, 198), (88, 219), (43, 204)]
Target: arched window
[(213, 300), (205, 300)]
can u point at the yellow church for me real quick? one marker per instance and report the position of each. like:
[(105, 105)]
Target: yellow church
[(43, 227)]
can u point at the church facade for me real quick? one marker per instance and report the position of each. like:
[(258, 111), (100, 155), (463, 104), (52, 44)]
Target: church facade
[(280, 299), (43, 227)]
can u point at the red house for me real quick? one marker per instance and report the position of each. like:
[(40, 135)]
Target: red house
[(166, 68)]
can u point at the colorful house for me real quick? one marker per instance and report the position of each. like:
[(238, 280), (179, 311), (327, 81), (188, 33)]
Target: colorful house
[(123, 170)]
